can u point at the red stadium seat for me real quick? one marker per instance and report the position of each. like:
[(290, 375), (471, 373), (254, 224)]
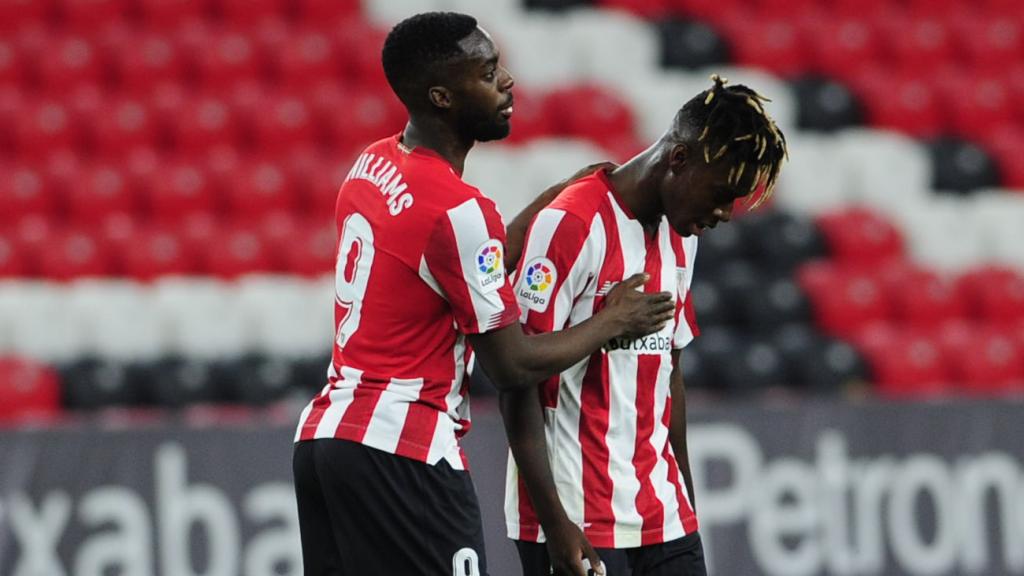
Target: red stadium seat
[(649, 9), (156, 253), (313, 251), (237, 251), (12, 68), (31, 391), (907, 364), (87, 15), (531, 118), (918, 43), (258, 189), (988, 362), (844, 301), (18, 14), (1005, 144), (24, 192), (995, 295), (168, 14), (985, 106), (843, 46), (71, 254), (125, 125), (358, 48), (180, 190), (327, 12), (12, 262), (282, 123), (205, 123), (903, 103), (860, 236), (712, 10), (591, 112), (249, 11), (44, 127), (148, 60), (100, 192), (226, 60), (990, 41), (307, 60), (775, 44), (68, 61), (921, 298), (322, 192), (369, 117)]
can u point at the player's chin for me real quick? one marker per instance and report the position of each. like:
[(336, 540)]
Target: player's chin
[(496, 130)]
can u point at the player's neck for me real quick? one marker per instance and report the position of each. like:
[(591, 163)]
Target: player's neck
[(438, 136), (633, 185)]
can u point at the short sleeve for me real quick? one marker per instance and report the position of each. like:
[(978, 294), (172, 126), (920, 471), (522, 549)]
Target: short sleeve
[(553, 272), (464, 261), (686, 319)]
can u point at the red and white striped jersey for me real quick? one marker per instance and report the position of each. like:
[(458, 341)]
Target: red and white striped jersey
[(606, 418), (420, 265)]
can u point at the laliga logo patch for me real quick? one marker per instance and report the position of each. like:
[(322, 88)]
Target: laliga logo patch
[(490, 266), (537, 284)]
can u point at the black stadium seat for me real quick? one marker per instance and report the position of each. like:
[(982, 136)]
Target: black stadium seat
[(92, 383), (688, 44), (961, 166), (780, 241), (825, 105)]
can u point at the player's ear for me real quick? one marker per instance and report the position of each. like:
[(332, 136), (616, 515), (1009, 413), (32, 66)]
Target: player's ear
[(440, 96), (678, 156)]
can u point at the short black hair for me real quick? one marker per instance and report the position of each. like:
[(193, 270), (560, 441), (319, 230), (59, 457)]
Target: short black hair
[(417, 45), (730, 123)]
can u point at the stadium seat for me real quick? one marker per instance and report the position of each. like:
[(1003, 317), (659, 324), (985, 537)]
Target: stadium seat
[(117, 320), (102, 191), (183, 381), (656, 97), (257, 379), (928, 240), (24, 192), (168, 14), (71, 254), (203, 123), (756, 366), (69, 61), (988, 362), (990, 40), (17, 14), (44, 127), (226, 60), (843, 45), (1004, 144), (31, 391), (287, 317), (908, 365), (918, 42), (717, 347), (236, 251), (12, 68), (775, 44), (307, 59), (889, 172), (126, 124), (608, 43), (202, 318), (35, 324), (12, 263), (814, 179), (359, 46), (248, 11), (825, 105), (843, 301), (994, 294), (719, 247), (86, 15), (647, 9), (178, 190), (691, 44), (282, 123), (900, 102), (259, 188), (986, 106), (860, 237), (531, 119), (591, 112), (320, 12), (709, 305), (816, 364), (369, 118), (921, 298), (961, 166), (778, 240), (154, 253), (311, 252), (147, 60), (537, 50)]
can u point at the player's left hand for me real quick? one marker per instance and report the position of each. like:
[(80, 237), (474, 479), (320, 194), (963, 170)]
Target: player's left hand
[(567, 550)]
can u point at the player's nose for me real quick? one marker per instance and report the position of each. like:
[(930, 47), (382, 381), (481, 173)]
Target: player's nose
[(509, 82)]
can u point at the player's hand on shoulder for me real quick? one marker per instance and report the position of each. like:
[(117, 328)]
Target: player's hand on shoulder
[(639, 313), (570, 552)]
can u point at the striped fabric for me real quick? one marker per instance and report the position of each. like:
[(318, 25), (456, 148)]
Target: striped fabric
[(607, 417), (420, 265)]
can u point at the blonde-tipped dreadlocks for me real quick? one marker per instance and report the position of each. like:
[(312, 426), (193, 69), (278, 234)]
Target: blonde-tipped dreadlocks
[(735, 128)]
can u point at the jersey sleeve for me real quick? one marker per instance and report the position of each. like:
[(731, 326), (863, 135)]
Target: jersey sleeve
[(464, 262), (686, 319), (556, 265)]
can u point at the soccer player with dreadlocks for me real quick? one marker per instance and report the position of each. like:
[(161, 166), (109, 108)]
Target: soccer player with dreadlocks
[(614, 425)]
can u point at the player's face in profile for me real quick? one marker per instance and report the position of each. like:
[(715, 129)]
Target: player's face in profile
[(698, 198), (484, 91)]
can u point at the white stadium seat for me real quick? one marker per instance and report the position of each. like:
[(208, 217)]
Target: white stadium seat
[(284, 315), (117, 319), (498, 171), (35, 322), (813, 180), (657, 96), (536, 50), (997, 217), (940, 234), (611, 46), (202, 318), (885, 169), (387, 13)]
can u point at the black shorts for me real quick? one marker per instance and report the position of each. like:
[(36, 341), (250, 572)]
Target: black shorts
[(682, 557), (365, 512)]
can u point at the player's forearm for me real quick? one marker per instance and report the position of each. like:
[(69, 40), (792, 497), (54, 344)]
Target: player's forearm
[(554, 352), (523, 416), (677, 429)]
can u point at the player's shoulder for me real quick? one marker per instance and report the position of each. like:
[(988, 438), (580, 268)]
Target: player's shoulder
[(582, 200)]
